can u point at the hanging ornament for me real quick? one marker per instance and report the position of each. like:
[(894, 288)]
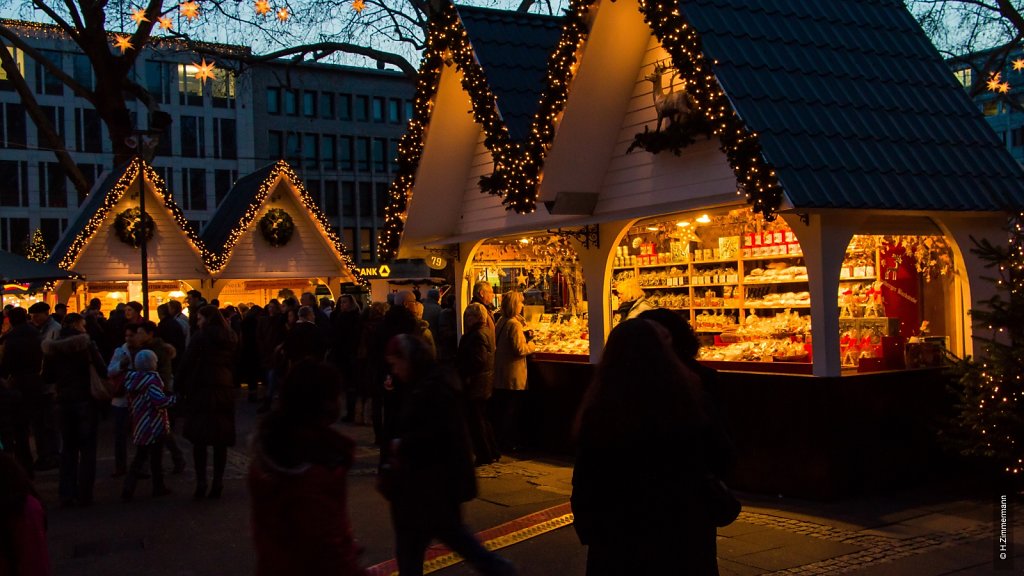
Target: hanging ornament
[(123, 42), (262, 7), (204, 70), (1018, 64), (139, 16), (165, 23), (358, 5), (190, 10), (283, 14), (996, 84)]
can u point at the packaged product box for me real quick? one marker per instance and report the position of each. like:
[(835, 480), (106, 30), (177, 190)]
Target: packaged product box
[(729, 247), (767, 239)]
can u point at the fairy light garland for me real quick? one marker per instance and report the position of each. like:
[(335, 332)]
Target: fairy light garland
[(741, 146), (110, 201), (216, 262), (518, 165)]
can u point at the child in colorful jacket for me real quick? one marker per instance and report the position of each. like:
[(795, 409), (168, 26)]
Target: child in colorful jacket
[(148, 403)]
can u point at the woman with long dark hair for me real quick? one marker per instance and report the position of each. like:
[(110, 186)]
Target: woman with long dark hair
[(298, 480), (646, 406), (206, 387)]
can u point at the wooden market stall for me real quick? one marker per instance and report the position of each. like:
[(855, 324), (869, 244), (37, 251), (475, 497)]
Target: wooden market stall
[(102, 243), (269, 235), (770, 182)]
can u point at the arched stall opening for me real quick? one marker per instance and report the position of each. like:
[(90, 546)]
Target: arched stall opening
[(546, 268), (740, 281), (901, 305)]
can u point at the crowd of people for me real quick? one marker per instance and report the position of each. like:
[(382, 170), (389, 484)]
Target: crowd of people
[(439, 407)]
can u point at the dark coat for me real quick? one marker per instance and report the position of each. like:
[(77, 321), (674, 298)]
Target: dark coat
[(171, 332), (305, 341), (432, 472), (346, 333), (249, 368), (23, 359), (476, 363), (299, 487), (205, 383), (68, 360)]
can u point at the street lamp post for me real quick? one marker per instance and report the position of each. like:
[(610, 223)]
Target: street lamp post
[(145, 143)]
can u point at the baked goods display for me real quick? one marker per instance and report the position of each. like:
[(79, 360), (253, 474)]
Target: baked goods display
[(557, 336)]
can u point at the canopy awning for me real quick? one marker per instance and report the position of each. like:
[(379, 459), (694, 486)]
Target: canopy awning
[(18, 269)]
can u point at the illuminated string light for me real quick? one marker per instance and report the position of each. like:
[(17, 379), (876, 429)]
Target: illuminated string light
[(517, 166), (216, 262), (68, 260)]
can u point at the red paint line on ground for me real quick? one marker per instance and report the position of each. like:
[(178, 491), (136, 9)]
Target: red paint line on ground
[(391, 566)]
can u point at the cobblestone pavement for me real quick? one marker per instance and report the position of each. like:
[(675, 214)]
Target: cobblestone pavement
[(521, 511)]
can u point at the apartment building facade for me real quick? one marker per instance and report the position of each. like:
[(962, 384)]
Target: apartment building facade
[(1004, 111), (338, 126), (221, 129)]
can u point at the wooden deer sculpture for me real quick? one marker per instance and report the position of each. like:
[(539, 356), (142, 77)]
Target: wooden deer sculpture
[(673, 104)]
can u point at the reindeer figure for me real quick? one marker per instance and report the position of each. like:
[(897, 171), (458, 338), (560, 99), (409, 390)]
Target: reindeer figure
[(673, 104)]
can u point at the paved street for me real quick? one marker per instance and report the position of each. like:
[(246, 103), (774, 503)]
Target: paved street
[(522, 510)]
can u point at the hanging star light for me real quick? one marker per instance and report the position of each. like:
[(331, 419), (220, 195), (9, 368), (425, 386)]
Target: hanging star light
[(283, 14), (262, 7), (139, 16), (165, 23), (994, 81), (190, 10), (1004, 88), (204, 70), (358, 5), (123, 42)]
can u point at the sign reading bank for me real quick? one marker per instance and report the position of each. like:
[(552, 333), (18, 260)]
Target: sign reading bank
[(374, 272)]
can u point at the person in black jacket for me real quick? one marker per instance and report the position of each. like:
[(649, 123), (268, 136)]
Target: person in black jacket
[(346, 333), (476, 369), (22, 361), (663, 527), (70, 359), (205, 384), (427, 471)]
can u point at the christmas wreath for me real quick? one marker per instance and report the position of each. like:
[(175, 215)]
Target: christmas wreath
[(131, 229), (277, 227)]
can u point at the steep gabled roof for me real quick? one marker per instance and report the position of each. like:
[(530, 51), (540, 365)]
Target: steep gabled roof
[(102, 199), (242, 203), (853, 106), (513, 48), (837, 104)]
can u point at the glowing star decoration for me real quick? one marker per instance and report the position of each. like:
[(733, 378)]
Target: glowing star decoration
[(165, 23), (190, 10), (1018, 64), (994, 82), (262, 7), (283, 14), (204, 70), (139, 16), (123, 42), (358, 5)]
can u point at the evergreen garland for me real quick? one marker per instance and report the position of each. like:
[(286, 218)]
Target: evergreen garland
[(130, 228), (277, 227)]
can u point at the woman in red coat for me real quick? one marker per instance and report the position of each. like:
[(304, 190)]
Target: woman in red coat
[(298, 480)]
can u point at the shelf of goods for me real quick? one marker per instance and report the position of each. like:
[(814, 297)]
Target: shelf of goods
[(751, 308)]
